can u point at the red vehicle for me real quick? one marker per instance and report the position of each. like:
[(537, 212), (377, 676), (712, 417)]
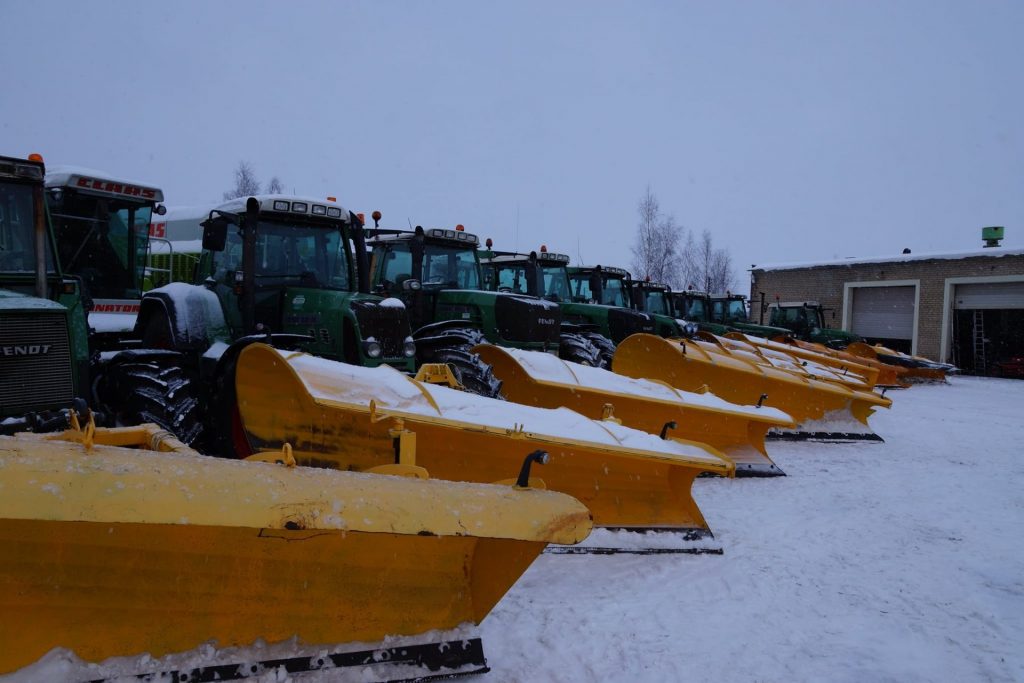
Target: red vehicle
[(1008, 367)]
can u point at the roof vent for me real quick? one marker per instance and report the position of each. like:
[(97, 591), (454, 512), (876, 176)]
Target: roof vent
[(992, 236)]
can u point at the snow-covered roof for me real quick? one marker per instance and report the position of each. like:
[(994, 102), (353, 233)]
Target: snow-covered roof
[(899, 258), (316, 207), (101, 182)]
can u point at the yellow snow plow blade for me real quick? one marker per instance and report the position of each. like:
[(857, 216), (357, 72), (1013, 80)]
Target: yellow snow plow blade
[(541, 379), (764, 354), (866, 375), (822, 410), (916, 368), (889, 376), (355, 418), (112, 551)]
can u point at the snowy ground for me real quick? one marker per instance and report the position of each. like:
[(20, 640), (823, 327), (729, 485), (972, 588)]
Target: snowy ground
[(873, 562), (870, 562)]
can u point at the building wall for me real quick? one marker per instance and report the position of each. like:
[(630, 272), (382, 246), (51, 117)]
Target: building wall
[(825, 285)]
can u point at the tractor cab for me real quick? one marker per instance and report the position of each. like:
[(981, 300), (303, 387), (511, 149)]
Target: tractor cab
[(802, 318), (437, 273), (541, 274), (692, 305), (652, 297), (296, 265), (728, 308), (101, 225), (102, 228), (44, 358)]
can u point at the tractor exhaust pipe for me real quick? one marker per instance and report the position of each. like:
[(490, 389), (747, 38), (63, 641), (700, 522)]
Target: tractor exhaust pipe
[(40, 237)]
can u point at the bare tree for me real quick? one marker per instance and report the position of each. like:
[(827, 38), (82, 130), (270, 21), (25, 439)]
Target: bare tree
[(656, 251), (245, 182), (274, 186), (713, 266)]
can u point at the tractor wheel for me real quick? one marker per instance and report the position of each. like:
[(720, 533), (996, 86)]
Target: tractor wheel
[(152, 386), (576, 348), (605, 347), (474, 374)]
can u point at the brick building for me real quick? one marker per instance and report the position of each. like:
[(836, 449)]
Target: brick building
[(966, 308)]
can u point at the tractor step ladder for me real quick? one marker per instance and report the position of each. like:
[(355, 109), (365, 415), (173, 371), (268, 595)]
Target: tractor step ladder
[(980, 364)]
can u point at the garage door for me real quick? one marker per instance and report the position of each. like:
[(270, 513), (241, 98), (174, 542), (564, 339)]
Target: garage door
[(884, 312), (990, 295)]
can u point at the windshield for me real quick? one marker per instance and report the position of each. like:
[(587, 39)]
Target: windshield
[(17, 227), (102, 240), (656, 302), (581, 291), (614, 293), (556, 283), (512, 278), (313, 255), (693, 308), (443, 266), (735, 311)]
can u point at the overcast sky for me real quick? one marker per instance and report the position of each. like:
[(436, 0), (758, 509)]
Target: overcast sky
[(790, 130)]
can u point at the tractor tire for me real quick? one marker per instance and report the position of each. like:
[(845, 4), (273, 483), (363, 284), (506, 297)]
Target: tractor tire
[(152, 386), (576, 348), (475, 375), (605, 347)]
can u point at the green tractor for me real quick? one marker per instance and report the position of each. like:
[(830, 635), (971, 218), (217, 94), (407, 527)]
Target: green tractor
[(287, 270), (695, 308), (586, 327), (44, 353), (607, 287), (806, 320), (720, 313), (656, 300), (437, 274)]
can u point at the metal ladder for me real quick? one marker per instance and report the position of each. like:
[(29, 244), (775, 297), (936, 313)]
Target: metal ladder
[(980, 364)]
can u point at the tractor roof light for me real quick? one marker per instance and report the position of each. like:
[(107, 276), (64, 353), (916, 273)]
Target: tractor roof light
[(333, 212), (300, 207), (319, 210), (543, 248), (460, 227), (35, 156), (489, 243), (281, 205)]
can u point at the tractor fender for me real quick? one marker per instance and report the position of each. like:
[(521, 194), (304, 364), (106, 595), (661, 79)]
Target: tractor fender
[(447, 333), (578, 328), (193, 316)]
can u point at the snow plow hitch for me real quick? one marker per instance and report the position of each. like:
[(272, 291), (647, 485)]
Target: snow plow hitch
[(339, 416)]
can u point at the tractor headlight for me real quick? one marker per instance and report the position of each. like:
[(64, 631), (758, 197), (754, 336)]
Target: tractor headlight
[(408, 347), (372, 348), (690, 329)]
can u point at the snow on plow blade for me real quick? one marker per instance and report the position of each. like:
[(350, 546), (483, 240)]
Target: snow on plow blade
[(822, 410), (112, 552), (541, 379), (349, 417)]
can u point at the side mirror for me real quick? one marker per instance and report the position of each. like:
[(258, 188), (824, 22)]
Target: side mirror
[(160, 209), (215, 233)]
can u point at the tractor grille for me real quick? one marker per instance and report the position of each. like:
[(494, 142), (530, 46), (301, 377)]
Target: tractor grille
[(520, 319), (35, 363), (623, 322), (388, 325)]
